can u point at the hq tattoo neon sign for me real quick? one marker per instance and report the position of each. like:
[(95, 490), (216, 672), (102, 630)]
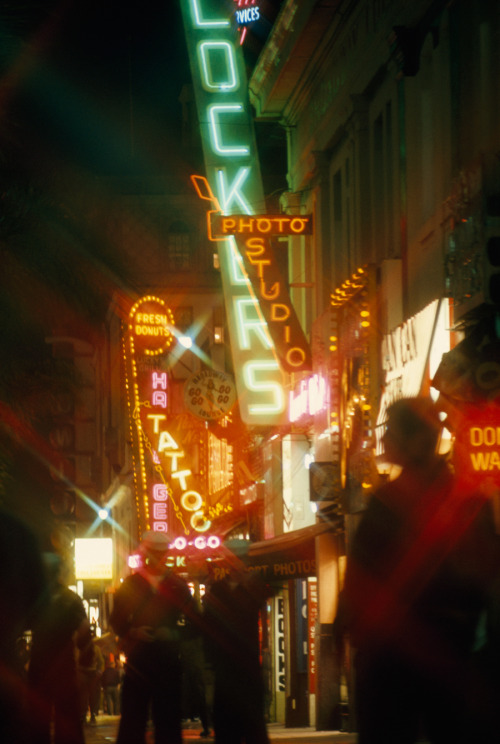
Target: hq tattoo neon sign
[(168, 497), (233, 174)]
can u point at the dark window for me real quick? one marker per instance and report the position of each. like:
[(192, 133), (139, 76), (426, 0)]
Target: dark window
[(179, 247)]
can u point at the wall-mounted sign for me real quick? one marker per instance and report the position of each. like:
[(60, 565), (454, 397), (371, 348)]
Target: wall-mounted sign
[(410, 356), (308, 397), (94, 558), (210, 394), (477, 445), (150, 324), (233, 172), (263, 225), (246, 12), (168, 486)]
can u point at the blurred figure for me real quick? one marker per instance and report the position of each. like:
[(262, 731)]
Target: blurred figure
[(90, 668), (22, 585), (110, 681), (147, 612), (231, 621), (193, 682), (417, 582), (23, 657), (60, 632)]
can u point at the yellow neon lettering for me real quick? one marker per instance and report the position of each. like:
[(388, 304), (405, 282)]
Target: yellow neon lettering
[(485, 460), (228, 224), (256, 246), (174, 457), (260, 263), (281, 221), (191, 501), (270, 294), (166, 441), (245, 225), (264, 225), (276, 309), (487, 435), (297, 225), (299, 355), (199, 522), (181, 476), (476, 438), (157, 417)]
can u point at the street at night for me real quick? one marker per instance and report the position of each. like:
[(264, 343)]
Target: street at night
[(249, 371)]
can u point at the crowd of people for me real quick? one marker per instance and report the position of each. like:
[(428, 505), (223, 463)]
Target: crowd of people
[(56, 683), (419, 607)]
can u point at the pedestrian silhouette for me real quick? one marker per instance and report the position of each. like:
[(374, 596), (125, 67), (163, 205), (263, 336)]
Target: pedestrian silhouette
[(90, 668), (418, 577), (231, 621), (148, 609), (22, 584), (60, 632), (110, 681), (194, 691)]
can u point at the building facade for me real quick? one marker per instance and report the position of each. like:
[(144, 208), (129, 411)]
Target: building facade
[(391, 114)]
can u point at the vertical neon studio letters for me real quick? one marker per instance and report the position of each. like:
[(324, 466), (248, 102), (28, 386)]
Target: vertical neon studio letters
[(234, 175)]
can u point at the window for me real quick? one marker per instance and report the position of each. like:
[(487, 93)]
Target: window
[(179, 247)]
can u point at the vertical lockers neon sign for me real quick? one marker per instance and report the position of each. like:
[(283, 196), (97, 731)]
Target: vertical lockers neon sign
[(234, 175)]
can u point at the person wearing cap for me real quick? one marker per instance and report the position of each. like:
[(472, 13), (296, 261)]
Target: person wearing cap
[(149, 610)]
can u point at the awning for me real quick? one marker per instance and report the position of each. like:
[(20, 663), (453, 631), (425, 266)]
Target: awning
[(288, 556)]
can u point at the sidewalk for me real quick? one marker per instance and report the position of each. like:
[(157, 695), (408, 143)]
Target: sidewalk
[(107, 727)]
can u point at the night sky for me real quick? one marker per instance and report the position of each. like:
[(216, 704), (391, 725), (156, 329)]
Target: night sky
[(99, 82)]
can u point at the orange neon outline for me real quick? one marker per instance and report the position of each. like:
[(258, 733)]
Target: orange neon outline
[(204, 191)]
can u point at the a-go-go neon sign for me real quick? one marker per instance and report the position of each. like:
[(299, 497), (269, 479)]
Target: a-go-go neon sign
[(233, 173)]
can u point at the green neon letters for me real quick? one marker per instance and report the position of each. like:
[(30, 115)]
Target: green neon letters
[(209, 54), (227, 197), (202, 22), (250, 322), (233, 172), (214, 112)]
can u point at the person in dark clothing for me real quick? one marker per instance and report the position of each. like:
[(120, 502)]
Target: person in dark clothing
[(418, 577), (90, 668), (110, 681), (147, 613), (22, 584), (193, 682), (60, 631), (231, 622)]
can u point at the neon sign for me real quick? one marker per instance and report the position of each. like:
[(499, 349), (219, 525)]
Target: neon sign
[(151, 327), (167, 492), (233, 173), (311, 397), (263, 225), (478, 443), (246, 12)]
